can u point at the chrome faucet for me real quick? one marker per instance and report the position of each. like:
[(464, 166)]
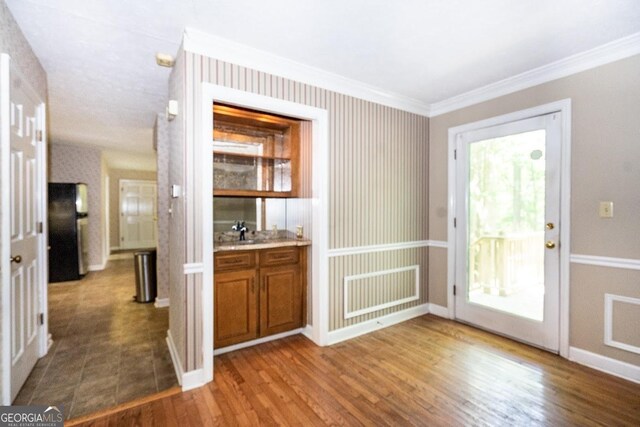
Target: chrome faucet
[(239, 226)]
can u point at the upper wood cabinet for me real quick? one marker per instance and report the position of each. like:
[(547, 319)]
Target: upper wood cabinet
[(254, 154)]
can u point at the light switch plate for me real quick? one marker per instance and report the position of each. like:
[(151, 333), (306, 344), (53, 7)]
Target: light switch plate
[(606, 209), (176, 191)]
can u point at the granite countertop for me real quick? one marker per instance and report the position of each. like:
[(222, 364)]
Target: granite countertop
[(230, 241), (249, 245)]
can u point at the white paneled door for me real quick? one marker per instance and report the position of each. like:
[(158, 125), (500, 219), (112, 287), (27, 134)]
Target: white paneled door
[(508, 229), (138, 214), (25, 233)]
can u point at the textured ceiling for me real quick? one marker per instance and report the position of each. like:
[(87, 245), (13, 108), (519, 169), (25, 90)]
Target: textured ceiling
[(105, 88)]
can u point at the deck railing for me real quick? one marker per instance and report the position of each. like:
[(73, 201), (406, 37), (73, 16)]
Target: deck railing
[(501, 265)]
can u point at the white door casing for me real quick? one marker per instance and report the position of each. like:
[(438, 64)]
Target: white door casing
[(319, 250), (23, 262), (564, 108), (138, 214)]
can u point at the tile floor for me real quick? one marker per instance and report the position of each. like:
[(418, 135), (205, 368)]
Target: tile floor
[(107, 349)]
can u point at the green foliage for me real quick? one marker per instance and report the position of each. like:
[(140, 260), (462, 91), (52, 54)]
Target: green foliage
[(507, 185)]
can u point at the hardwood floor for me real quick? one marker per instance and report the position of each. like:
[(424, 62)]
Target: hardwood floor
[(427, 371)]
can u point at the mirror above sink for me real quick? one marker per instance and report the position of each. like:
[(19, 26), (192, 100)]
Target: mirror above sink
[(258, 214)]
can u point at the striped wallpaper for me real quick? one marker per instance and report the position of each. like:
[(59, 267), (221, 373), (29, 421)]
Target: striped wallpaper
[(377, 186)]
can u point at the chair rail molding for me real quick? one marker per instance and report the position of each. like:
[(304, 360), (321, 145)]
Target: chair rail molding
[(356, 250), (603, 261)]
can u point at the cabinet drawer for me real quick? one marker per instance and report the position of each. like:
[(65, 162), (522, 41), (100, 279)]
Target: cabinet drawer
[(279, 256), (234, 261)]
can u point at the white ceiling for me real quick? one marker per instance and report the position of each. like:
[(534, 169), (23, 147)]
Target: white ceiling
[(105, 88)]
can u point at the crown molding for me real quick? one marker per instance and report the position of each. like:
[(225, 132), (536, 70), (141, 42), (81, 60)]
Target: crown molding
[(240, 54), (601, 55)]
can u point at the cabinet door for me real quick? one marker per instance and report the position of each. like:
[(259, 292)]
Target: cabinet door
[(235, 315), (280, 299)]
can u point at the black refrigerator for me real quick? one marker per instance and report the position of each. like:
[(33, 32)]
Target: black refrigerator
[(68, 231)]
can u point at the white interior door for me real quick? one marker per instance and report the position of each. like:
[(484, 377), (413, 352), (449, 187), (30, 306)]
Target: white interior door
[(138, 214), (508, 228), (24, 228)]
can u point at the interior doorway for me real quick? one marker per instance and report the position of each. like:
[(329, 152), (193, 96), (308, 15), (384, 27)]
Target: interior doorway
[(138, 202), (509, 225)]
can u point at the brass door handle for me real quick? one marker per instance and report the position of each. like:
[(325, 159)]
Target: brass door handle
[(550, 244), (17, 259)]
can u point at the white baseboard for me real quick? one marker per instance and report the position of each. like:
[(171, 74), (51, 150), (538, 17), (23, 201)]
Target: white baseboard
[(605, 364), (193, 379), (438, 310), (116, 257), (177, 364), (98, 267), (217, 352), (161, 302), (307, 331), (375, 324)]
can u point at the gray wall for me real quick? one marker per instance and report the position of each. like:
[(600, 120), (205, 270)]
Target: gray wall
[(605, 166), (161, 136), (177, 280), (13, 42)]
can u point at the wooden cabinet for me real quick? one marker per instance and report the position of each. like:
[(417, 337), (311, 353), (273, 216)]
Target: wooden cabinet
[(254, 154), (235, 307), (234, 261), (280, 299), (258, 293)]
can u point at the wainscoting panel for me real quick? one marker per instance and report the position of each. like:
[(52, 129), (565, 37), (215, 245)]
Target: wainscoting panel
[(369, 292), (620, 313), (365, 286)]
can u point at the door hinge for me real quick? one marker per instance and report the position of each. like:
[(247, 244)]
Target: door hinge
[(454, 290), (455, 223), (455, 154), (41, 319), (40, 228), (39, 136)]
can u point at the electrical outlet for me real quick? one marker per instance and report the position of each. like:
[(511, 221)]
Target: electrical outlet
[(606, 209)]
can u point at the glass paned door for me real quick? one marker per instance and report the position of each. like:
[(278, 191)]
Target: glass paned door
[(508, 228)]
